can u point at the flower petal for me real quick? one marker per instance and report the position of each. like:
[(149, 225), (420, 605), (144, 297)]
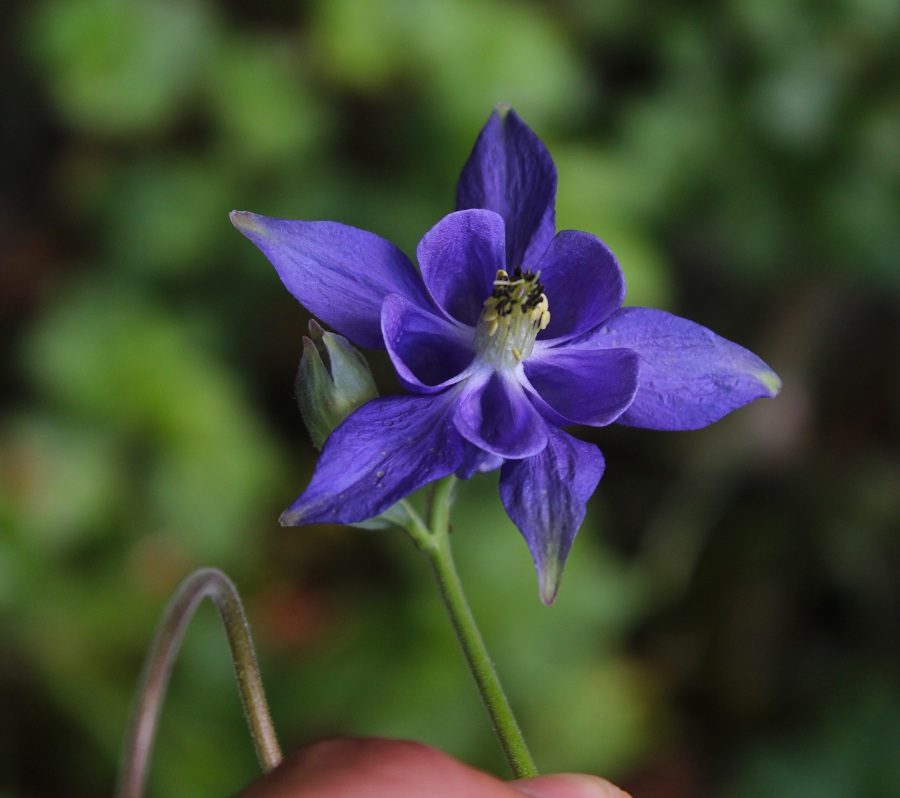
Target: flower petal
[(584, 386), (428, 352), (477, 461), (377, 456), (511, 172), (496, 416), (689, 376), (546, 498), (583, 284), (459, 258), (337, 272)]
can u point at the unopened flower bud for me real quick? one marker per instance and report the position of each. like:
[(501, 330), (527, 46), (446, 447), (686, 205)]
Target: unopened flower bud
[(328, 394)]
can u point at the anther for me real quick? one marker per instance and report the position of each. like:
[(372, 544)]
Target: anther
[(515, 312)]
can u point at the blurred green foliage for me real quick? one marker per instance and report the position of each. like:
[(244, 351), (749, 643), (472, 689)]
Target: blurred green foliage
[(727, 624)]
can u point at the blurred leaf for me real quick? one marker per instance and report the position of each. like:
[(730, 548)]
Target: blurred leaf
[(111, 357), (64, 483), (261, 100), (469, 55), (482, 53), (796, 102), (120, 67), (165, 215)]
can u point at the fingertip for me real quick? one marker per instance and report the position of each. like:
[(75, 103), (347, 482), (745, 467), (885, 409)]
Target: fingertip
[(568, 785), (373, 768)]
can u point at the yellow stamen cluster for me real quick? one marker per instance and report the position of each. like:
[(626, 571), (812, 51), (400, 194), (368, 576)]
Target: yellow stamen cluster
[(518, 310)]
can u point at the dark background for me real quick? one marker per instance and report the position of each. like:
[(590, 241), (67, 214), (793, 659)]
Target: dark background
[(728, 623)]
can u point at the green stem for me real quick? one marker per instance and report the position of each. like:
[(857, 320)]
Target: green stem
[(203, 583), (436, 544)]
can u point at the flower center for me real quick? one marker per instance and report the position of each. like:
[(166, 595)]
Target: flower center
[(513, 315)]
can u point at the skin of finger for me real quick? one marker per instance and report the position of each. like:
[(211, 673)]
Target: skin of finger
[(568, 785), (374, 768)]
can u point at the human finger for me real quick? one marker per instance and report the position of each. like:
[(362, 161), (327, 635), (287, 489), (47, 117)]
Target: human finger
[(375, 767)]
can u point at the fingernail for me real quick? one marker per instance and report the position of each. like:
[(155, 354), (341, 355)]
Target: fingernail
[(568, 785)]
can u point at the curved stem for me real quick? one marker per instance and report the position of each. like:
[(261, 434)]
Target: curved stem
[(203, 583), (437, 546)]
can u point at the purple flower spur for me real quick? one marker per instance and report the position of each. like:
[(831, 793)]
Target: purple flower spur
[(507, 333)]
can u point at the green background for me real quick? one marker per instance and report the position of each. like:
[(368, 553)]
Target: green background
[(727, 627)]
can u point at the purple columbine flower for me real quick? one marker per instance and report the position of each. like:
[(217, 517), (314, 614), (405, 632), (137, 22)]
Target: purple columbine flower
[(509, 333)]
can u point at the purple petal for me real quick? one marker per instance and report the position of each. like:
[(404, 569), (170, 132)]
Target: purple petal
[(477, 461), (377, 456), (339, 273), (689, 376), (511, 172), (496, 416), (583, 284), (459, 258), (584, 386), (428, 352), (546, 497)]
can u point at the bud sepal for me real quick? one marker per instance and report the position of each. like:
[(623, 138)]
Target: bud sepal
[(327, 394)]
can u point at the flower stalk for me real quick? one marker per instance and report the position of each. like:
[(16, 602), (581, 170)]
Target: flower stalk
[(435, 543), (203, 583)]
